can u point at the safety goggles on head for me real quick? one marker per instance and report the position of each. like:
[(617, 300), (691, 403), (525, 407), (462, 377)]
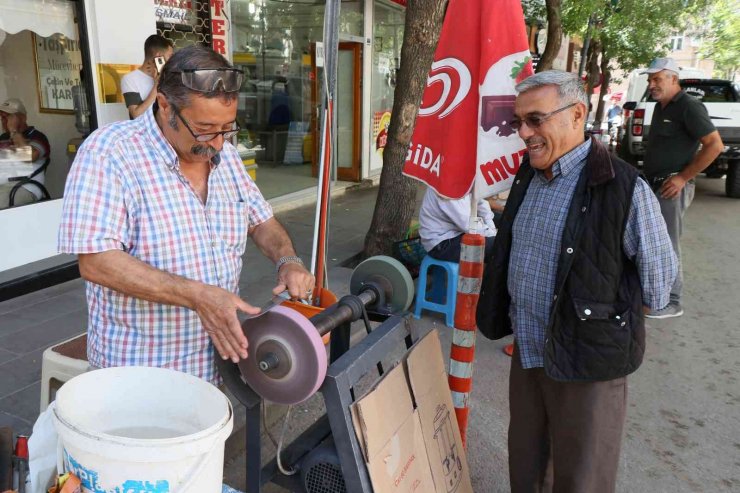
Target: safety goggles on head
[(535, 120), (212, 79)]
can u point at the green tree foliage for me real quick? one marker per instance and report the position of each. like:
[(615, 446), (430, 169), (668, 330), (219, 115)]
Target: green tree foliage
[(627, 33), (631, 32), (534, 11), (721, 37)]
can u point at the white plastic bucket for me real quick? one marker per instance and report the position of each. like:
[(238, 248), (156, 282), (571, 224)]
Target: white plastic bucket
[(143, 430)]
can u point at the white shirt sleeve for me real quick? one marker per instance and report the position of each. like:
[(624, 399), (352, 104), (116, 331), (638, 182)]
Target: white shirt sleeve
[(127, 84), (441, 219)]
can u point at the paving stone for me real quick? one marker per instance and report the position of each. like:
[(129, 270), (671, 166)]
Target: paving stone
[(24, 403), (16, 321), (18, 425), (41, 311), (6, 356), (45, 334), (20, 372)]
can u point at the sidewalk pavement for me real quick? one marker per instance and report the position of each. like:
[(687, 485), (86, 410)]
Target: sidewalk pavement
[(681, 430)]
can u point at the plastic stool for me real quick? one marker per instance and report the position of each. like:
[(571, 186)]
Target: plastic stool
[(60, 363), (444, 288)]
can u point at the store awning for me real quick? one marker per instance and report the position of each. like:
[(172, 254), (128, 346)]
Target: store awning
[(44, 17)]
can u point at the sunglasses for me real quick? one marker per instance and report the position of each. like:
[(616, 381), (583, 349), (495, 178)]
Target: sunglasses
[(212, 79), (207, 137), (535, 120)]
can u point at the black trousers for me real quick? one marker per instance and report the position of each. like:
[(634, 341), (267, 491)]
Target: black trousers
[(449, 250)]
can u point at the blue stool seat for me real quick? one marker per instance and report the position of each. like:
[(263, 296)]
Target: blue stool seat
[(443, 289)]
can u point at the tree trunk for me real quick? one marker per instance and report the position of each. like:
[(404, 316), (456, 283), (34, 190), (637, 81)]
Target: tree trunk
[(396, 200), (554, 35), (606, 75), (592, 68)]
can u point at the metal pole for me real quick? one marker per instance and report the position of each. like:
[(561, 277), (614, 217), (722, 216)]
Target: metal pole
[(331, 49)]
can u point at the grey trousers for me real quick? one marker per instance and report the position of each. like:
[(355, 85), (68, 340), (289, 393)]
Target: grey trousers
[(673, 211), (564, 437)]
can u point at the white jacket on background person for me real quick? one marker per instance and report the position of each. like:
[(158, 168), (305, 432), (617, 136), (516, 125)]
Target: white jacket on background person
[(441, 219)]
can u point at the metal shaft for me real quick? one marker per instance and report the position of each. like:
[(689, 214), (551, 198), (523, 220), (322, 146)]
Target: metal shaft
[(346, 310), (269, 362), (338, 314)]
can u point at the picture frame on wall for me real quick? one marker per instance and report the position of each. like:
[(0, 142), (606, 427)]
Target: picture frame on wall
[(58, 64)]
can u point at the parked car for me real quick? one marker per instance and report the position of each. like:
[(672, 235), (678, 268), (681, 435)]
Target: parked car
[(722, 100)]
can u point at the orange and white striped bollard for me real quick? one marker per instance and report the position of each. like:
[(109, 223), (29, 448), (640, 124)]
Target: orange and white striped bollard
[(462, 353)]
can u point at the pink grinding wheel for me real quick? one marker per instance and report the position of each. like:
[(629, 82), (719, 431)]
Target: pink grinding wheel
[(296, 350)]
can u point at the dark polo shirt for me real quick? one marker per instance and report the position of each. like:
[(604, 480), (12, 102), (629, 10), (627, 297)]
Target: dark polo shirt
[(674, 135)]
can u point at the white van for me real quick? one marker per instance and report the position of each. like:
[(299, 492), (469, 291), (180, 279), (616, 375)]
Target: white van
[(638, 111)]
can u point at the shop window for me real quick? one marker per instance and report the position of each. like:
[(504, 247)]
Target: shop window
[(272, 41), (387, 40), (48, 113)]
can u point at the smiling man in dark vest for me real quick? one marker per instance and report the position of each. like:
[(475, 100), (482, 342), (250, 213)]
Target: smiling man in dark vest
[(582, 251)]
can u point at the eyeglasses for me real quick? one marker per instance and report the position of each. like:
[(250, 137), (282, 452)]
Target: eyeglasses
[(212, 79), (206, 137), (534, 121)]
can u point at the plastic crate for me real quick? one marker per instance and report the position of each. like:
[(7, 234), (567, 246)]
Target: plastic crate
[(410, 253)]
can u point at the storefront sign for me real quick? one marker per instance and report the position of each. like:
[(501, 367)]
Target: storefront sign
[(174, 11), (220, 26), (58, 65)]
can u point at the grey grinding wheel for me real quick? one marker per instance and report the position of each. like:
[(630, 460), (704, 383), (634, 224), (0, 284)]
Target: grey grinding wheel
[(390, 275)]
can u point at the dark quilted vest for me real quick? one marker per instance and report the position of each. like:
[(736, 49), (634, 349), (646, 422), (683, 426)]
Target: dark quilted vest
[(597, 329)]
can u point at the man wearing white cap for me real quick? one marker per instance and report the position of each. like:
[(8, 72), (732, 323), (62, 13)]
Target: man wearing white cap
[(680, 123), (17, 133)]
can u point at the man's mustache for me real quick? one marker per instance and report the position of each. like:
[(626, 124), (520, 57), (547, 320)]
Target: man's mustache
[(204, 150)]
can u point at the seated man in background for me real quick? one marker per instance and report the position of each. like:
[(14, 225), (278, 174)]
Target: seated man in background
[(139, 86), (16, 134), (443, 222)]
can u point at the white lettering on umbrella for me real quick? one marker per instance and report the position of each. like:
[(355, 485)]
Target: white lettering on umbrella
[(429, 159), (463, 75)]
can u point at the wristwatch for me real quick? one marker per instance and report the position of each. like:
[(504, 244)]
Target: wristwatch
[(291, 259)]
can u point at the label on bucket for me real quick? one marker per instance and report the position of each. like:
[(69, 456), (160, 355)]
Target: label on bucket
[(90, 480)]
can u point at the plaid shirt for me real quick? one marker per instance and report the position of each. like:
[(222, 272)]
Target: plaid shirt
[(536, 241), (126, 192)]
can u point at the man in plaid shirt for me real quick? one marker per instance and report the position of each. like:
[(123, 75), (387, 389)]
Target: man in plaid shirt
[(159, 209)]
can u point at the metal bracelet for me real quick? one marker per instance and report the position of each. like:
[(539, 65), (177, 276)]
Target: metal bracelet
[(291, 259)]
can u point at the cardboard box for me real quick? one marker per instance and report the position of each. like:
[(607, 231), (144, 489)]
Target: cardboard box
[(407, 428)]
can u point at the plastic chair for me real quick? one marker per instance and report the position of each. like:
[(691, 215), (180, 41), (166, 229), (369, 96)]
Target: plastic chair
[(29, 180), (443, 288), (60, 363)]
